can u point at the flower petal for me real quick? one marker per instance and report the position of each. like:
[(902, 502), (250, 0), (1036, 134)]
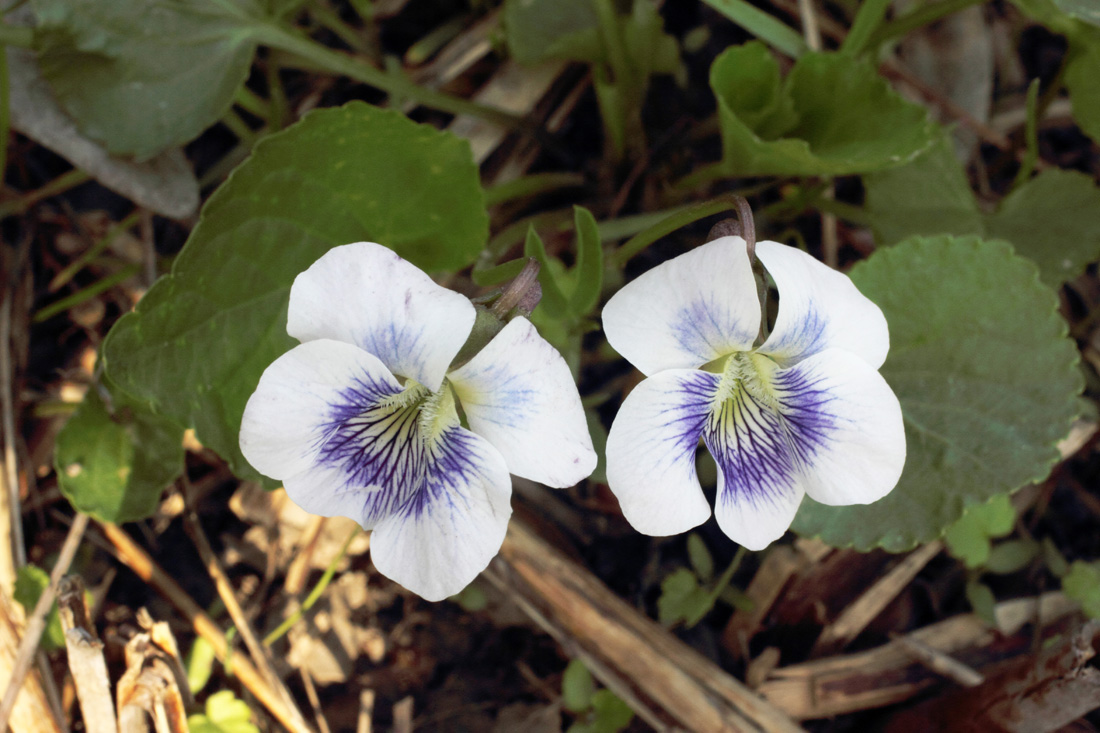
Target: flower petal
[(846, 426), (449, 531), (759, 481), (687, 311), (651, 451), (364, 294), (518, 394), (819, 308), (323, 419)]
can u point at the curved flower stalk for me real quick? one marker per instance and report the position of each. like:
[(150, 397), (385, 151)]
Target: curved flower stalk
[(805, 412), (361, 420)]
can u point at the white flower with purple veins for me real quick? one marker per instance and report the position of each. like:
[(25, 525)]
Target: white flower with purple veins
[(805, 412), (361, 419)]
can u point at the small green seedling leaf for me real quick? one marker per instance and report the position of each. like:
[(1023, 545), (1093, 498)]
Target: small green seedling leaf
[(471, 598), (1009, 557), (682, 599), (196, 344), (577, 687), (982, 601), (701, 561), (1055, 560), (832, 115), (142, 76), (115, 465), (968, 538), (589, 267), (987, 381), (224, 714), (30, 582), (553, 302), (1082, 584), (200, 664), (611, 713), (539, 30)]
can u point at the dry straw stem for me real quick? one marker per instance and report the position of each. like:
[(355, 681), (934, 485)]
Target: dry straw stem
[(36, 624), (889, 673), (1033, 694), (259, 653), (665, 681), (154, 685), (134, 557), (868, 606), (86, 662)]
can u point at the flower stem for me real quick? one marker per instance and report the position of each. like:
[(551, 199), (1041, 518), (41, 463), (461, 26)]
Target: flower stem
[(669, 224), (339, 63), (314, 594), (922, 16), (726, 577)]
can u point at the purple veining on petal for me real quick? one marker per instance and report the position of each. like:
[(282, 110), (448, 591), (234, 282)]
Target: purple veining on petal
[(761, 448), (453, 464), (707, 327), (377, 447), (394, 345), (805, 336), (686, 412)]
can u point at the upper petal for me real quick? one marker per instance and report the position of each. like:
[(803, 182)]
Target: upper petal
[(326, 419), (651, 451), (364, 294), (759, 478), (688, 311), (447, 533), (518, 394), (846, 426), (819, 308)]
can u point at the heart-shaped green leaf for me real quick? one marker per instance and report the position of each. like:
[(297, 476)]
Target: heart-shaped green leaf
[(832, 115), (198, 341), (141, 76), (987, 381)]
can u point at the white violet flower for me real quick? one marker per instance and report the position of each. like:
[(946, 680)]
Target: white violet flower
[(361, 419), (805, 412)]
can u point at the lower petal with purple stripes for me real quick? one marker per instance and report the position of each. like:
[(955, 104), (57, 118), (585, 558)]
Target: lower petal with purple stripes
[(447, 532)]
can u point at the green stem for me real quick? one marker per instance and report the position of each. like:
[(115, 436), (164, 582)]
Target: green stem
[(100, 286), (920, 17), (330, 19), (62, 278), (868, 19), (250, 102), (62, 183), (613, 43), (726, 577), (667, 226), (1031, 136), (530, 186), (767, 28), (240, 128), (314, 594), (340, 63)]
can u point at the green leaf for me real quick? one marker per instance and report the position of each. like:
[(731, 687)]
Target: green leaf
[(224, 714), (930, 195), (589, 267), (1086, 10), (30, 582), (1009, 557), (472, 598), (115, 466), (682, 599), (833, 115), (982, 601), (599, 444), (538, 30), (198, 341), (701, 561), (1082, 584), (651, 50), (553, 302), (987, 381), (611, 714), (144, 76), (968, 538), (1053, 557), (577, 687), (1053, 219), (766, 27), (200, 664), (1083, 84)]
